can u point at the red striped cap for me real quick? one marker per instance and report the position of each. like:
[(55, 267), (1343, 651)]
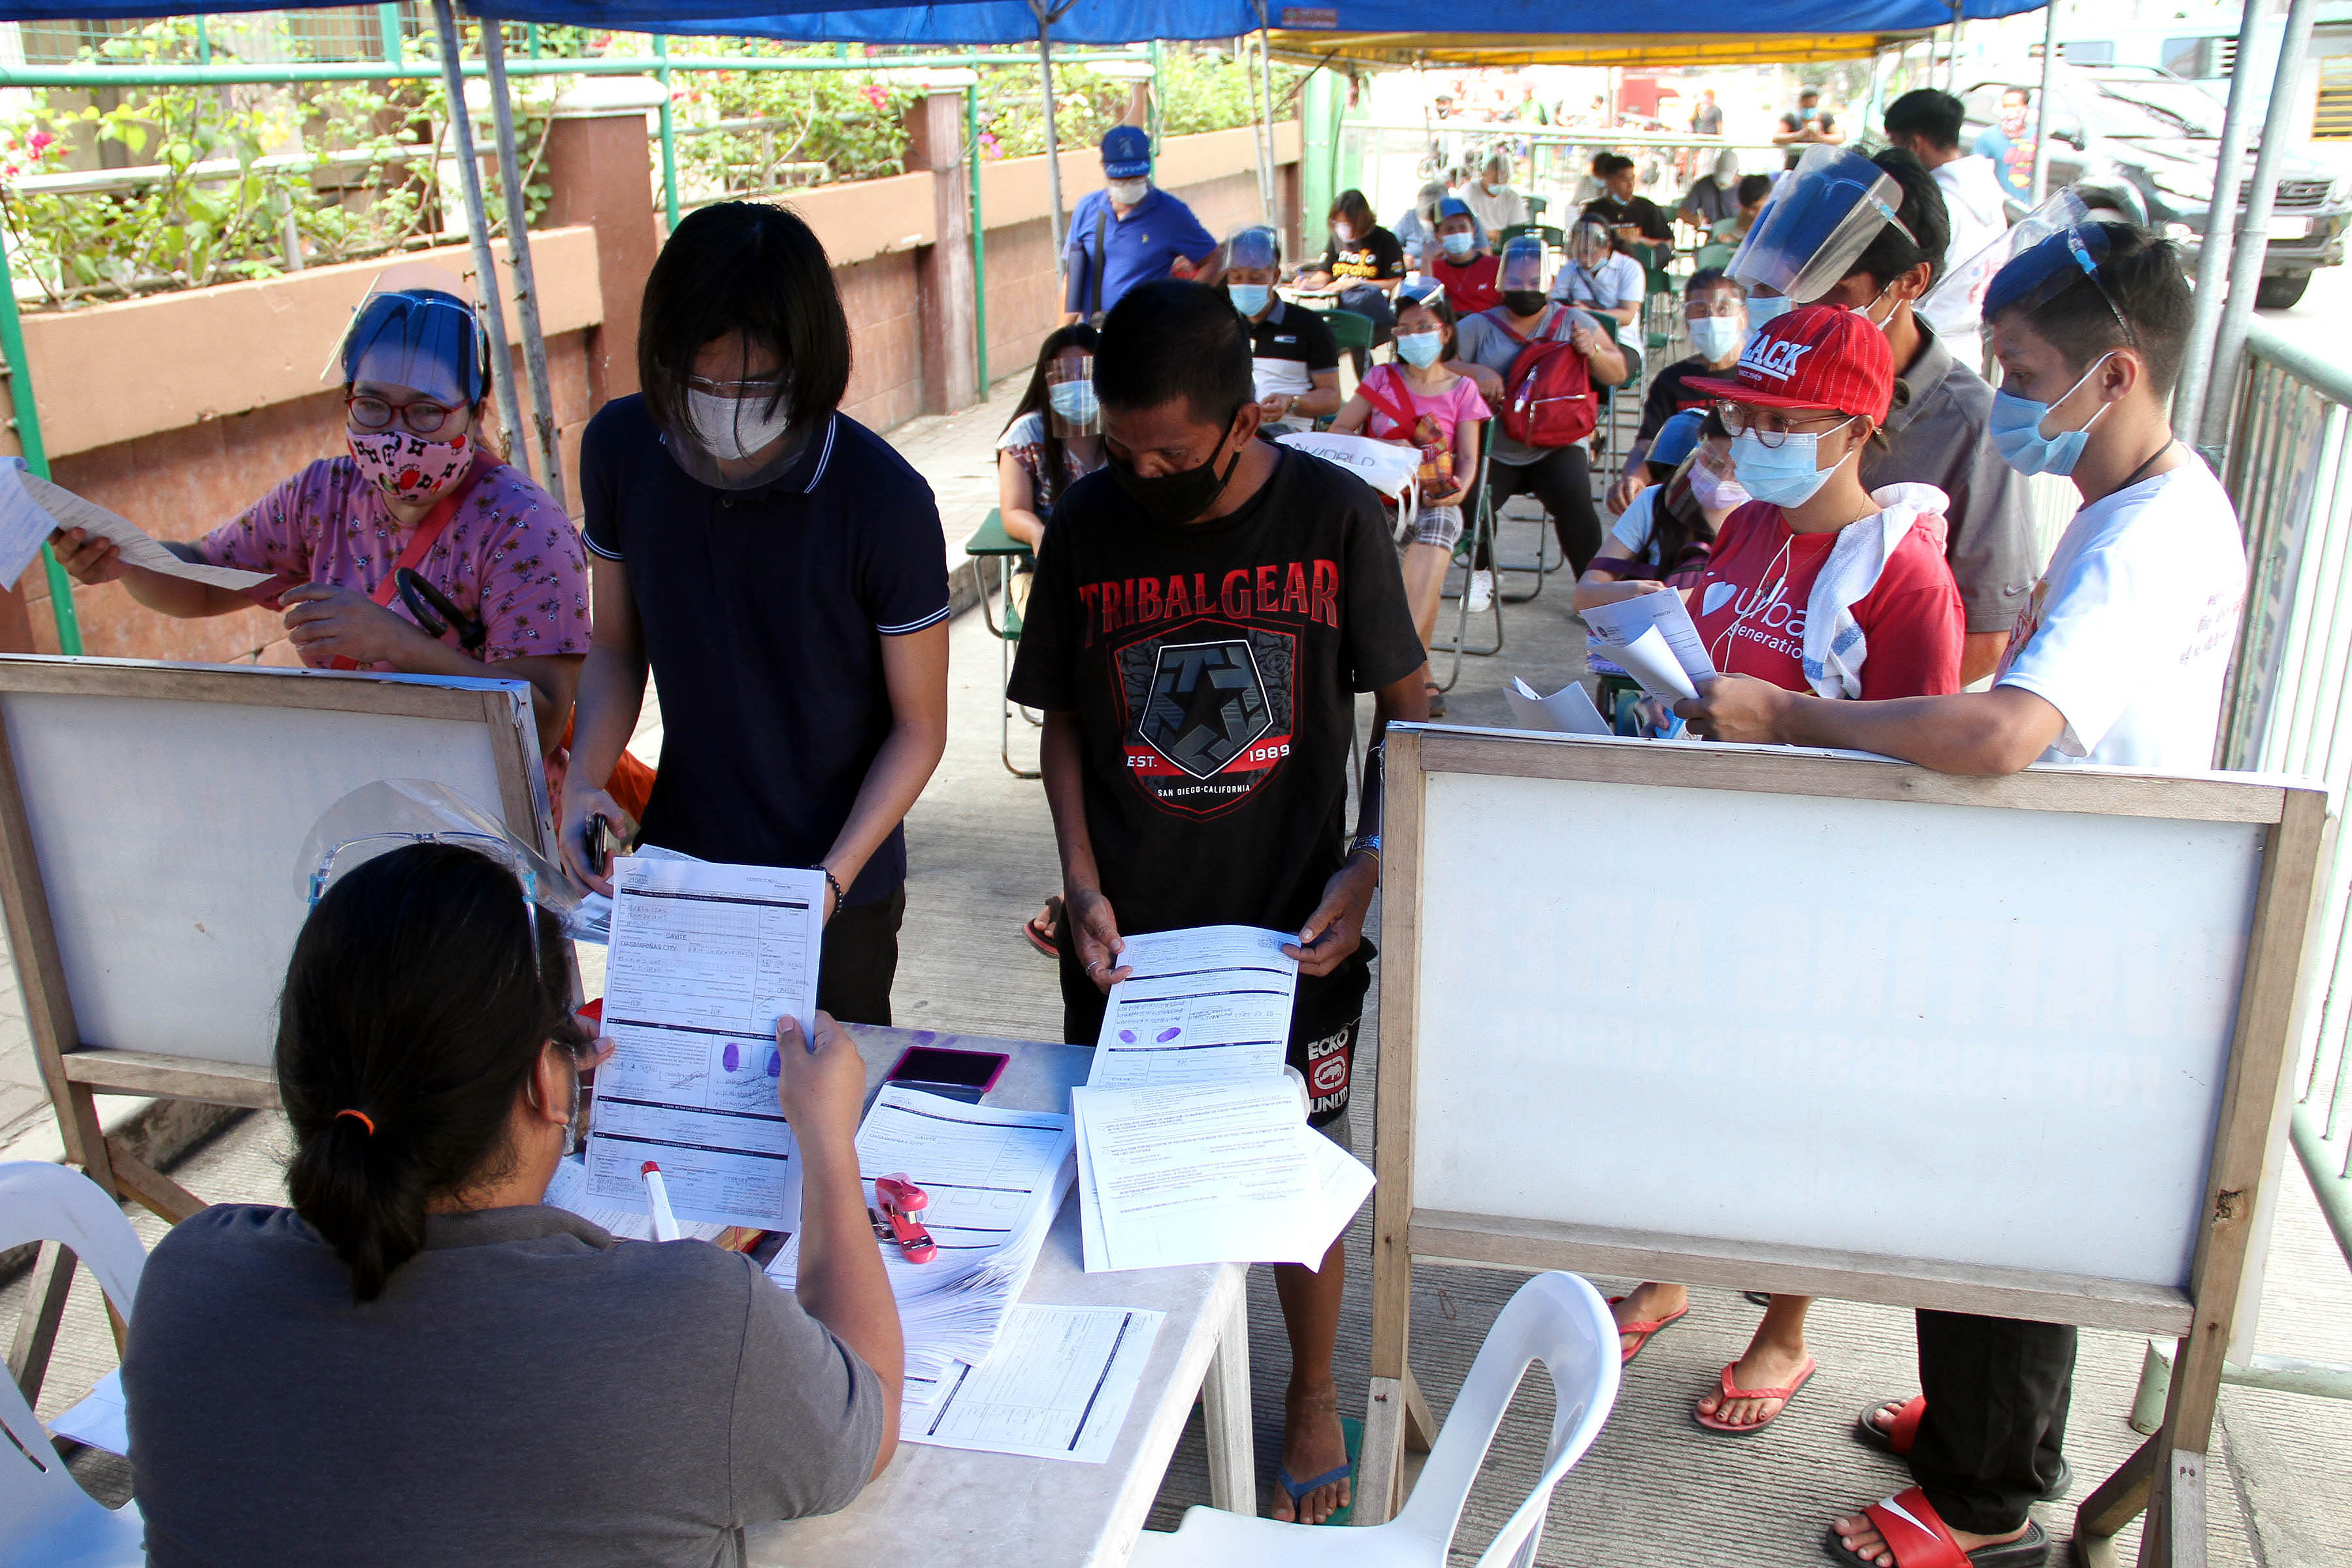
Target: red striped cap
[(1816, 356)]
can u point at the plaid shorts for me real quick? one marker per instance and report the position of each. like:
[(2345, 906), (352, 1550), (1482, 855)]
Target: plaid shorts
[(1438, 525)]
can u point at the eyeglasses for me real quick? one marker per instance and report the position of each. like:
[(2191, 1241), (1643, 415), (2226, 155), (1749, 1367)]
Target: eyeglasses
[(762, 388), (1773, 427), (419, 417), (1700, 310)]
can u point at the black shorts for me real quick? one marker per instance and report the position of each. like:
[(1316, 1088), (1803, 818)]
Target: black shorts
[(1326, 1020)]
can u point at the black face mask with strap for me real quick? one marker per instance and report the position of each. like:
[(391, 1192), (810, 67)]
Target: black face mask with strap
[(1174, 500)]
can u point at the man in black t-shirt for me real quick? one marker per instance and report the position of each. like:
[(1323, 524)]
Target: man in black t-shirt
[(1636, 223), (1807, 123), (1206, 608)]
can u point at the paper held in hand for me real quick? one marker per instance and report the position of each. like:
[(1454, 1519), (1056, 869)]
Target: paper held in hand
[(31, 509), (1207, 1003), (705, 960), (1652, 639)]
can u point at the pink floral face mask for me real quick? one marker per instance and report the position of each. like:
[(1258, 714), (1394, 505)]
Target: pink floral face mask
[(406, 466)]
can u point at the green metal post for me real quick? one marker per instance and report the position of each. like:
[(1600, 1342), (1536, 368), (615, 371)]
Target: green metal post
[(1157, 115), (387, 27), (531, 37), (979, 239), (668, 134), (203, 42), (36, 452)]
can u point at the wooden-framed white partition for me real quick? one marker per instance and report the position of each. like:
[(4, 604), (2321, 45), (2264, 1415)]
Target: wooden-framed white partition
[(2001, 1046), (151, 816)]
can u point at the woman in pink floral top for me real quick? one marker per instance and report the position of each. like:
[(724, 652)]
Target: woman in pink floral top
[(504, 556)]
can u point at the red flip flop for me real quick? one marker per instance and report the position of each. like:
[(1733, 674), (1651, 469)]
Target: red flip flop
[(1732, 1391), (1895, 1439), (1647, 1331), (1917, 1537)]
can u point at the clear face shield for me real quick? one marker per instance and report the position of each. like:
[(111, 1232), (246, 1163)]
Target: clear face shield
[(392, 814), (1522, 266), (417, 327), (2023, 266), (1070, 395), (1815, 228), (1589, 244)]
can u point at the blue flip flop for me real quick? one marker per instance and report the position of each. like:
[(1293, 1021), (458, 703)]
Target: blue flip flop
[(1352, 1430)]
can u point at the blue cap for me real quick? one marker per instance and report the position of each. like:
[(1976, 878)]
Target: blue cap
[(1676, 438), (1126, 153), (1455, 206)]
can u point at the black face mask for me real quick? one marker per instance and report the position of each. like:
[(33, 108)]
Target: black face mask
[(1172, 499), (1523, 302)]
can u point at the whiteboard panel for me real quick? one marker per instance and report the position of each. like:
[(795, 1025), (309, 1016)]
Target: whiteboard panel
[(1940, 1032), (167, 834)]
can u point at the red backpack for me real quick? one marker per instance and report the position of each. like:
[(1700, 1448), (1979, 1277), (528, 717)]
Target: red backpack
[(1548, 398)]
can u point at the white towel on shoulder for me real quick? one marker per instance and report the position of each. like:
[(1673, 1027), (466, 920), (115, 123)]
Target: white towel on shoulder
[(1834, 645)]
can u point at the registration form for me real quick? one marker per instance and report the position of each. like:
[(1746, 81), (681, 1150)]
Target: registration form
[(705, 959), (1208, 1174), (1058, 1386), (1207, 1003)]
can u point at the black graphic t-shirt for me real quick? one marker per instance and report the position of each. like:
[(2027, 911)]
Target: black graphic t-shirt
[(1213, 668)]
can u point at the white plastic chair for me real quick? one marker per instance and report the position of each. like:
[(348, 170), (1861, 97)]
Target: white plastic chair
[(1556, 1319), (44, 1516)]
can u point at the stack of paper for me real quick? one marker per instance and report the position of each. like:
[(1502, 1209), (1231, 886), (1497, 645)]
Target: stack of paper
[(1652, 639), (995, 1180), (1058, 1386), (1209, 1174)]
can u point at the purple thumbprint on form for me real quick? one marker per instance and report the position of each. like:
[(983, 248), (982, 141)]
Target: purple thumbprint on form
[(1127, 1035), (730, 1058), (1169, 1033), (775, 1065)]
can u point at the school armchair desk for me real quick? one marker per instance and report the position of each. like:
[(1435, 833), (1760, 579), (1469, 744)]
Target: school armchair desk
[(44, 1516), (1556, 1319), (1002, 557)]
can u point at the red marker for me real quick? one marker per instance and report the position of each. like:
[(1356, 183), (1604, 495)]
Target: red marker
[(658, 1196)]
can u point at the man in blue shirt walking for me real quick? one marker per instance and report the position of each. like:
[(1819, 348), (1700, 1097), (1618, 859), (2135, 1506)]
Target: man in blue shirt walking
[(1130, 232)]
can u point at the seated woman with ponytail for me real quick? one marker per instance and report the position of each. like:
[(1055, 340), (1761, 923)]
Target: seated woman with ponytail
[(419, 1362)]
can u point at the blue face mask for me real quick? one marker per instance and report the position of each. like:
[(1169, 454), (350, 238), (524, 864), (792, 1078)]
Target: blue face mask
[(1074, 400), (1716, 337), (1458, 245), (1419, 349), (1763, 307), (2015, 426), (1249, 298), (1787, 475)]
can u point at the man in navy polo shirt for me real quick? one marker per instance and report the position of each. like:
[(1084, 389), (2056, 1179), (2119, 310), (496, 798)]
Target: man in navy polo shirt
[(1130, 232)]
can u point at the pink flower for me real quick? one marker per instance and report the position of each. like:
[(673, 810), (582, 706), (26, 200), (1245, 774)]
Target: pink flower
[(875, 96), (41, 140)]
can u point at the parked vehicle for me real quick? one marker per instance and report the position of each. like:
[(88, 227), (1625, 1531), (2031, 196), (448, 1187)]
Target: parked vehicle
[(2142, 144)]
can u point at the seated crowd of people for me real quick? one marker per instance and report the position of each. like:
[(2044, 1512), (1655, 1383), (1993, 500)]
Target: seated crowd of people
[(1839, 497)]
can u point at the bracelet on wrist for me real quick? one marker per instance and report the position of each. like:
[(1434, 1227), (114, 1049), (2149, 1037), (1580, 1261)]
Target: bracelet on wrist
[(840, 895)]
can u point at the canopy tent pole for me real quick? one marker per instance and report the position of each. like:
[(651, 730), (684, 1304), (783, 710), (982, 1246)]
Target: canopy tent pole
[(2041, 114), (2221, 226), (1052, 137), (478, 226), (1265, 114), (534, 343), (2253, 230)]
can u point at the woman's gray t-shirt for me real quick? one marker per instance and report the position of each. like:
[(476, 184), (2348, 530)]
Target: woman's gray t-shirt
[(527, 1390)]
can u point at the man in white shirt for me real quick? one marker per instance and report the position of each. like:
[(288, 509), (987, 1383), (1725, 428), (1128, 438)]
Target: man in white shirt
[(1926, 124), (1600, 278), (2119, 657), (1492, 199)]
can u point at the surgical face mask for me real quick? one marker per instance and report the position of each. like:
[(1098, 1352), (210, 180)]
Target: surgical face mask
[(1523, 302), (1074, 400), (1763, 307), (1419, 349), (1173, 499), (1249, 298), (2013, 121), (402, 467), (1715, 493), (1786, 475), (1458, 245), (734, 429), (1494, 187), (2015, 426), (1878, 322), (1716, 337), (1128, 192), (1723, 181), (1345, 232)]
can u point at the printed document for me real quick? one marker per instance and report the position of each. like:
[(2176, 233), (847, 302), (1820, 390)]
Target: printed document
[(31, 509), (568, 1189), (1058, 1386), (1205, 1173), (1207, 1003), (705, 959), (1667, 665)]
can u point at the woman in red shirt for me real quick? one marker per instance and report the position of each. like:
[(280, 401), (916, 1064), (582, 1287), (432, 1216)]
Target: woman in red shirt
[(1818, 586), (1461, 261)]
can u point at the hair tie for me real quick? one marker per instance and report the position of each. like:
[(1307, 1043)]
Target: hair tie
[(359, 1116)]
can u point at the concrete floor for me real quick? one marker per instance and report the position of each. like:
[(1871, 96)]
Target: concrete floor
[(1655, 1489)]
